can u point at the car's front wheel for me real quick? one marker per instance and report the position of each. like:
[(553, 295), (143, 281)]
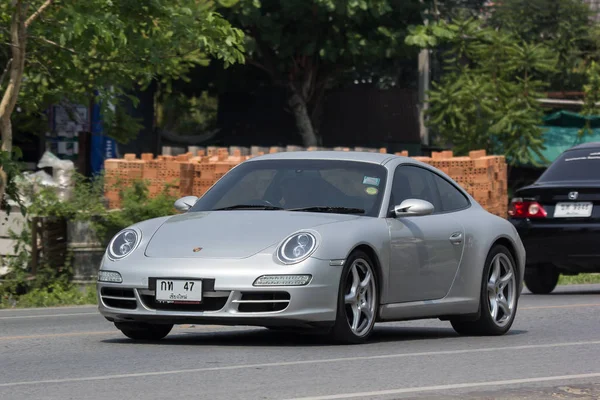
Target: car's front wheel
[(144, 331), (499, 296), (541, 279), (358, 300)]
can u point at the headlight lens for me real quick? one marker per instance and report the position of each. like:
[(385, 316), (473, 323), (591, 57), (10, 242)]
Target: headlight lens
[(123, 244), (296, 248)]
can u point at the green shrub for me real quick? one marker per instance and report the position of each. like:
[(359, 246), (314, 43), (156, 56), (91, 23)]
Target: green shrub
[(52, 286), (56, 294), (136, 206)]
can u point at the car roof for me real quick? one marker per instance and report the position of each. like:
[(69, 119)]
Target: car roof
[(589, 145), (362, 156)]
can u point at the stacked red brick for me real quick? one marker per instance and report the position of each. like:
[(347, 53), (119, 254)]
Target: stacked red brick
[(484, 177), (181, 175)]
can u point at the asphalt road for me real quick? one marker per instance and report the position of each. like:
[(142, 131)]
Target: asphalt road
[(552, 352)]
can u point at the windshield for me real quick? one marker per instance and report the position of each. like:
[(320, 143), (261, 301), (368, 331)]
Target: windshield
[(328, 185), (574, 165)]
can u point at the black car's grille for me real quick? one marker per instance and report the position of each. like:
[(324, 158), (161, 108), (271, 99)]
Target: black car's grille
[(123, 298), (252, 302)]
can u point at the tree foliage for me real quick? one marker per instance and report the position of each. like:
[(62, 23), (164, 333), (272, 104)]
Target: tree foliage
[(307, 46), (564, 26), (78, 47), (56, 50), (487, 97)]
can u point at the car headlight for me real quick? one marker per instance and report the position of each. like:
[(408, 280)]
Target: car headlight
[(296, 248), (123, 244)]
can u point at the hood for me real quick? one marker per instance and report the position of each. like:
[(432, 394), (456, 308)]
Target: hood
[(231, 234)]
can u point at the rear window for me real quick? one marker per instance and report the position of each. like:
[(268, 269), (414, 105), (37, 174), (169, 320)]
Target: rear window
[(574, 165)]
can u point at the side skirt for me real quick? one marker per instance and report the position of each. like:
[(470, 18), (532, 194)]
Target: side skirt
[(443, 309)]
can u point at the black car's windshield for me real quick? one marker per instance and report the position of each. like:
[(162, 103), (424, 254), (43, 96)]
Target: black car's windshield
[(348, 187), (574, 165)]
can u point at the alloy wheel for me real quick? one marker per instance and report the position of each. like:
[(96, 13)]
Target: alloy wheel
[(359, 297), (502, 289)]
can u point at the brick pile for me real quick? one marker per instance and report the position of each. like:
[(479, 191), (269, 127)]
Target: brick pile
[(482, 176)]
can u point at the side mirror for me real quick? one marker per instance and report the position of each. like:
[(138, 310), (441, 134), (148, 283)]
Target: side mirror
[(413, 208), (185, 203)]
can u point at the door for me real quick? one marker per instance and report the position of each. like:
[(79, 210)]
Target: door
[(425, 250)]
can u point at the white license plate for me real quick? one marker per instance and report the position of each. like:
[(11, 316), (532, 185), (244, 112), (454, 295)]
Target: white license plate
[(178, 291), (567, 210)]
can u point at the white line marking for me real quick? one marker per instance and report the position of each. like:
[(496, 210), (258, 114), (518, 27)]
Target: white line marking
[(300, 362), (50, 315), (451, 387)]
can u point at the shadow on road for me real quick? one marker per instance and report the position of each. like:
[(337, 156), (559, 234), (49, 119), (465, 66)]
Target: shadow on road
[(579, 292), (261, 337)]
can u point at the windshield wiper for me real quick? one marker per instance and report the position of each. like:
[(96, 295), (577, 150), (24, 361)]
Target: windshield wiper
[(341, 210), (249, 207)]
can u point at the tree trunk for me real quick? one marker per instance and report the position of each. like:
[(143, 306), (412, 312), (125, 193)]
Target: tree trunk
[(11, 94), (303, 121), (2, 184)]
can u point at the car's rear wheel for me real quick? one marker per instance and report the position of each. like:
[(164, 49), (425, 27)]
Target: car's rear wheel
[(541, 279), (358, 300), (499, 296), (144, 331)]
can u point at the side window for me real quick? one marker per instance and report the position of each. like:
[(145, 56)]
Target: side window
[(414, 183), (452, 198)]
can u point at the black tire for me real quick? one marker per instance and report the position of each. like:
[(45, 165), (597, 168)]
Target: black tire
[(144, 331), (341, 332), (541, 279), (485, 325)]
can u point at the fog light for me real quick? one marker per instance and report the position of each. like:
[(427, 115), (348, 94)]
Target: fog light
[(282, 280), (109, 276)]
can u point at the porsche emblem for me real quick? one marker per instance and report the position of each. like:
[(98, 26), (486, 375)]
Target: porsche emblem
[(197, 249)]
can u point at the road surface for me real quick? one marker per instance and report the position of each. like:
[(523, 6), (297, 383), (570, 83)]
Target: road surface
[(552, 352)]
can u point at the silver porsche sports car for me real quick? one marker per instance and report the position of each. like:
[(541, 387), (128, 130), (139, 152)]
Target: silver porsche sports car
[(329, 241)]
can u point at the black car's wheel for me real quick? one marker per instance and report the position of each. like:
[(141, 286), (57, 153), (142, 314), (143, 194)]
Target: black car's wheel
[(358, 300), (541, 279), (498, 297), (144, 331)]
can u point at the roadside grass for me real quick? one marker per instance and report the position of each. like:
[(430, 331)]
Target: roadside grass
[(54, 295), (579, 279)]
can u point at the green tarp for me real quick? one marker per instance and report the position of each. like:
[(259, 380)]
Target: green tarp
[(561, 132)]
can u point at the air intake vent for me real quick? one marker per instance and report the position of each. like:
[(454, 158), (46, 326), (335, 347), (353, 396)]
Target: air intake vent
[(118, 298), (261, 302)]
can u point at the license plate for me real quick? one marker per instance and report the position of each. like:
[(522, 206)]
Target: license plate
[(568, 210), (178, 291)]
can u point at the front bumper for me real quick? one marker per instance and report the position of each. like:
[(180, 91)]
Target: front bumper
[(229, 297), (573, 247)]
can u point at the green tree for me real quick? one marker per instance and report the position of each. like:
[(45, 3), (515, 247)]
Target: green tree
[(564, 26), (487, 98), (57, 50), (306, 46), (591, 96)]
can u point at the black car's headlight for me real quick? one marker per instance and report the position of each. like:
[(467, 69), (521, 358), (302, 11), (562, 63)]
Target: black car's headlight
[(296, 248), (123, 244)]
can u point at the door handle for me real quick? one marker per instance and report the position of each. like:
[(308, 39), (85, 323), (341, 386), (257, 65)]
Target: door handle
[(456, 238)]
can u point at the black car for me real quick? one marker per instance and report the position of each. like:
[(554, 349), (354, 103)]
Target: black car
[(558, 218)]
